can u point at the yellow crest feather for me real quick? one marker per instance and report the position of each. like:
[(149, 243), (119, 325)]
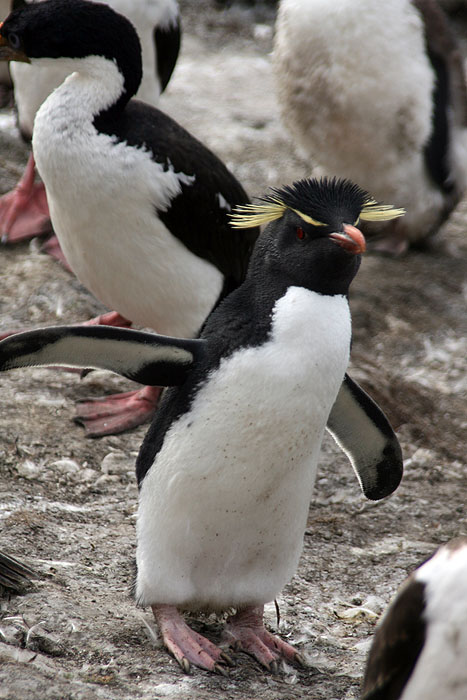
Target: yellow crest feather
[(374, 211), (308, 218), (273, 206), (249, 215)]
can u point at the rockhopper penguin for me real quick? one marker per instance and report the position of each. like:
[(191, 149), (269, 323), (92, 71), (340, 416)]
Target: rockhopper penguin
[(227, 468)]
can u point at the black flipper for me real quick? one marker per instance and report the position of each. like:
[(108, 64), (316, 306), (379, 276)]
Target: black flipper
[(363, 432), (167, 42), (147, 358), (14, 574)]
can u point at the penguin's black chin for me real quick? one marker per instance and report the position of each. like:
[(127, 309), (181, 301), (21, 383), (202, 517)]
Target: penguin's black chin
[(352, 240)]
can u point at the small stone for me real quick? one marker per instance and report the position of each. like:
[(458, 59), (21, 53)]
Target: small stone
[(86, 476), (29, 469), (117, 463), (66, 466)]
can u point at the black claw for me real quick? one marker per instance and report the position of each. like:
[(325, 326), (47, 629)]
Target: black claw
[(185, 665), (274, 668), (227, 659), (221, 669), (300, 660)]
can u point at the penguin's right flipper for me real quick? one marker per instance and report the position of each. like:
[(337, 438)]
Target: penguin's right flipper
[(363, 432), (150, 359), (14, 574)]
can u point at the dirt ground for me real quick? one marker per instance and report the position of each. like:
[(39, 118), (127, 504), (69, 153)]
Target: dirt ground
[(67, 504)]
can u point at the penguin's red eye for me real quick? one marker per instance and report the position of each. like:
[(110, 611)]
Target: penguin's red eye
[(301, 235)]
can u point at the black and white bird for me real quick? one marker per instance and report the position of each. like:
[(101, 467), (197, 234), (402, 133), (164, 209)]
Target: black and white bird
[(227, 468), (140, 207), (23, 211), (376, 92), (419, 649), (14, 575)]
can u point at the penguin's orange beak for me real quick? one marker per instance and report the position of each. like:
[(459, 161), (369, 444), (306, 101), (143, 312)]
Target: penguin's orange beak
[(352, 240), (8, 53)]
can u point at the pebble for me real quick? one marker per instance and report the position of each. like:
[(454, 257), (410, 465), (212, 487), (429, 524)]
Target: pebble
[(118, 463)]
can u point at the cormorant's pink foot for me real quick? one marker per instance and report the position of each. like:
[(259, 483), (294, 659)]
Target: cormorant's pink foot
[(6, 334), (116, 413), (24, 212), (245, 631), (188, 647), (111, 318), (394, 240), (52, 248), (392, 247)]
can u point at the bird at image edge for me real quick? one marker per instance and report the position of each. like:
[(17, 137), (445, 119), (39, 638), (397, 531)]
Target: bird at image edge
[(420, 646), (376, 92), (14, 575), (140, 207), (24, 211)]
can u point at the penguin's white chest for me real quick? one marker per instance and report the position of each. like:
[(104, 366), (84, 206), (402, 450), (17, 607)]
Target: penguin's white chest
[(103, 198), (224, 506)]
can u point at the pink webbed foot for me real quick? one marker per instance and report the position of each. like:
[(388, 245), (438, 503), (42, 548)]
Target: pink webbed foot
[(188, 647), (118, 412), (390, 246), (52, 248), (111, 318), (393, 240), (24, 212), (245, 631)]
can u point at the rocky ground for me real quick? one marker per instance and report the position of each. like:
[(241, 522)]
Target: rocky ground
[(67, 504)]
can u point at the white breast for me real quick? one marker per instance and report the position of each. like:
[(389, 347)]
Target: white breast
[(102, 197), (224, 507)]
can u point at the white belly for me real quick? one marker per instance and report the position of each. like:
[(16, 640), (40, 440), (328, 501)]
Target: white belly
[(103, 197), (224, 507), (372, 130), (129, 260)]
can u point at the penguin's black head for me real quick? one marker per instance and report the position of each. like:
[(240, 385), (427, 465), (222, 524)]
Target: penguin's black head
[(72, 29), (311, 239)]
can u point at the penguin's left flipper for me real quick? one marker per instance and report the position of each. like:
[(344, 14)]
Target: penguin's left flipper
[(150, 359), (14, 574), (363, 432)]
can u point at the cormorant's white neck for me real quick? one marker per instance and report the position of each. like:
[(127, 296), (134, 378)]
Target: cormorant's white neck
[(95, 84)]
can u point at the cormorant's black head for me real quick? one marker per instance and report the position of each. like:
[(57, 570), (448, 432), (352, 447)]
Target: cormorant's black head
[(72, 29), (311, 239)]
